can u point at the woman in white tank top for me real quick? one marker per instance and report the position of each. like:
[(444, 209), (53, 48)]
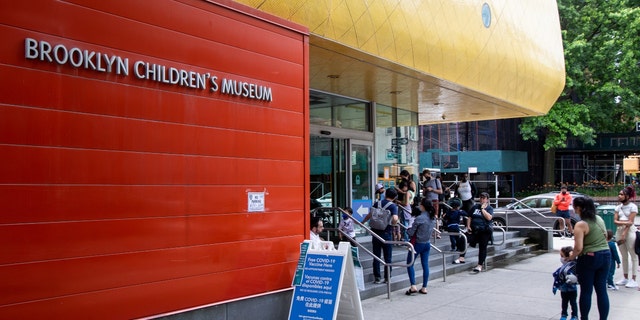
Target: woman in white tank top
[(623, 218)]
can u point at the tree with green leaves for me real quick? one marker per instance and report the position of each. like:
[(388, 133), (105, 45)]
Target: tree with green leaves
[(602, 91)]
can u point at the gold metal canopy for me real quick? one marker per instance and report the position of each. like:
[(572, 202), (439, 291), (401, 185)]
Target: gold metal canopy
[(450, 61)]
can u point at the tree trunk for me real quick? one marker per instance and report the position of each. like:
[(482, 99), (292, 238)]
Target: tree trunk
[(550, 166)]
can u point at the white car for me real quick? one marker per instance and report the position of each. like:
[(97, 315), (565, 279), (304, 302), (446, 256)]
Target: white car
[(326, 200)]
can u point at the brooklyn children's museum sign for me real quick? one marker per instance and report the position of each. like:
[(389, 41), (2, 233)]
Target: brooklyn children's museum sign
[(103, 62)]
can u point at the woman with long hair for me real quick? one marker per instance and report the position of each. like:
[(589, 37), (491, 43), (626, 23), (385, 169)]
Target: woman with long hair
[(623, 218), (422, 229), (593, 257)]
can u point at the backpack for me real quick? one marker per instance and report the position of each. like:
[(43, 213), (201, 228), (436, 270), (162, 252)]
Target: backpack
[(564, 278), (380, 217)]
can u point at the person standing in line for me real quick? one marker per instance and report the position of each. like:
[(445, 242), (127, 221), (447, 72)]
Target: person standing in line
[(380, 248), (404, 210), (623, 217), (452, 221), (346, 225), (409, 178), (564, 279), (422, 228), (615, 259), (480, 226), (379, 192), (442, 197), (431, 189), (562, 201), (593, 257), (466, 190)]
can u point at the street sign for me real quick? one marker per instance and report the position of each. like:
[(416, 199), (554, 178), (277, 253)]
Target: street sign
[(399, 141)]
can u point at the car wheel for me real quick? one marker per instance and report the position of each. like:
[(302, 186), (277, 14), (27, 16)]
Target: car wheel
[(499, 223)]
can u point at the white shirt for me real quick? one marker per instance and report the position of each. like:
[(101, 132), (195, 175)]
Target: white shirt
[(347, 226), (314, 237), (624, 213), (464, 189)]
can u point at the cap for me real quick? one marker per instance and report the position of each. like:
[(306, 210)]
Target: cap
[(379, 186), (484, 195)]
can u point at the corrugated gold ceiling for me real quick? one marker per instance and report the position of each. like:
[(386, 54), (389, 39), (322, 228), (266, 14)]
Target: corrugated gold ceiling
[(435, 57)]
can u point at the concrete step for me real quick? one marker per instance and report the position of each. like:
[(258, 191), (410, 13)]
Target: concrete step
[(439, 263)]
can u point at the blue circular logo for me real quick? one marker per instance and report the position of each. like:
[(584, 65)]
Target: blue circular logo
[(486, 15)]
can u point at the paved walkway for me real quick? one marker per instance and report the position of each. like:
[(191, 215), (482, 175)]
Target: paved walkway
[(520, 290)]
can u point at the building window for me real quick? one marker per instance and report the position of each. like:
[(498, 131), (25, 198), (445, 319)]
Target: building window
[(340, 112), (396, 140)]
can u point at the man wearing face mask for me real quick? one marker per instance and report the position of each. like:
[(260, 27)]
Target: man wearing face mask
[(563, 201)]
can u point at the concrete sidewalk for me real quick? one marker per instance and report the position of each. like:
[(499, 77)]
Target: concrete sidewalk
[(520, 290)]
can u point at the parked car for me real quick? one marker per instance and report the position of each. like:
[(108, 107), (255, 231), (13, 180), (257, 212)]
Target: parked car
[(326, 200), (533, 210)]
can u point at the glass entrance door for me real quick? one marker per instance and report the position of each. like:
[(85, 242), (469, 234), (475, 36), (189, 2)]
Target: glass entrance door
[(341, 174), (328, 169), (361, 174)]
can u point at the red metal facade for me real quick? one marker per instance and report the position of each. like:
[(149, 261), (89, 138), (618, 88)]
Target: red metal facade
[(124, 196)]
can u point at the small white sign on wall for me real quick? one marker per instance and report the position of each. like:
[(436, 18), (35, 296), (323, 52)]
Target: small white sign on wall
[(256, 201)]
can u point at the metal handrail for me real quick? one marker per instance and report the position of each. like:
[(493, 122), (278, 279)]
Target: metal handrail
[(387, 266), (537, 225), (443, 252), (504, 235)]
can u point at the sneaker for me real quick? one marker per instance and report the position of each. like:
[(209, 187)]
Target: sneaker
[(631, 284), (612, 287), (574, 318), (376, 281), (563, 318), (622, 282)]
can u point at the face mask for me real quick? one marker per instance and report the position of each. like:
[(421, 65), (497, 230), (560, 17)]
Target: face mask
[(564, 192), (345, 216), (562, 260)]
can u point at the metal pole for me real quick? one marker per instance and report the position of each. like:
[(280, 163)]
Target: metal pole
[(513, 186), (497, 192), (562, 168)]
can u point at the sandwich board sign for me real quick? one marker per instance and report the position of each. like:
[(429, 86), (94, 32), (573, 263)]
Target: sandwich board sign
[(324, 286)]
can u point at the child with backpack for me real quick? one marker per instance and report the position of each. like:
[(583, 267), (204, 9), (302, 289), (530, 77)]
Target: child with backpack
[(452, 220), (565, 280)]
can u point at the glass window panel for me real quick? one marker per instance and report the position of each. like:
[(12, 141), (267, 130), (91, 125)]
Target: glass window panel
[(407, 118), (396, 140), (339, 112), (352, 116), (320, 116), (384, 116)]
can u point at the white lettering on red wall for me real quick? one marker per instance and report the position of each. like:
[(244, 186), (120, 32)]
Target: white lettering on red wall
[(106, 63)]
